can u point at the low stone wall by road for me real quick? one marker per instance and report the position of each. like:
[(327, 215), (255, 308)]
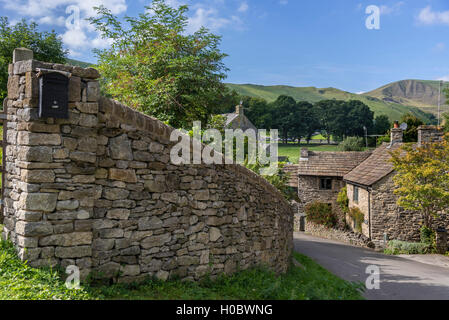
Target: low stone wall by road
[(349, 237)]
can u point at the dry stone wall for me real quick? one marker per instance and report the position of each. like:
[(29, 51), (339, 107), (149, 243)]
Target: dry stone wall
[(98, 191)]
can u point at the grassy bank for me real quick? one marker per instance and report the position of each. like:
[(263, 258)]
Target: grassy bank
[(19, 281)]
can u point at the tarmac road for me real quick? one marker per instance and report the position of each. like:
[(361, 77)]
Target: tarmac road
[(400, 278)]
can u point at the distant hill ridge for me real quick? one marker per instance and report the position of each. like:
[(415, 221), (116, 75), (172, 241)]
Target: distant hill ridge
[(419, 97)]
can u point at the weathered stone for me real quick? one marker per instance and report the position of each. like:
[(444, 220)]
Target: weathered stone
[(38, 139), (38, 176), (20, 54), (103, 244), (74, 89), (148, 223), (93, 91), (87, 107), (123, 175), (155, 241), (118, 214), (38, 201), (215, 234), (162, 275), (120, 148), (67, 240), (155, 186), (34, 229), (68, 205)]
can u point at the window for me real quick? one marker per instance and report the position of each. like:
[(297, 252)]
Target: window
[(326, 184), (355, 196)]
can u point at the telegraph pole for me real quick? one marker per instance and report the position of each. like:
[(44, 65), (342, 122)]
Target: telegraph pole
[(439, 102)]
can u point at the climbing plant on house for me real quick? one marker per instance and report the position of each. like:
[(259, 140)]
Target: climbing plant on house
[(422, 179)]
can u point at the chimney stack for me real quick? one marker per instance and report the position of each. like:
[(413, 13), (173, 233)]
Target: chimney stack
[(397, 134), (304, 154), (239, 108), (429, 134)]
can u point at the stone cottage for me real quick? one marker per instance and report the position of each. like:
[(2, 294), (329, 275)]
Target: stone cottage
[(320, 175), (238, 120), (370, 188)]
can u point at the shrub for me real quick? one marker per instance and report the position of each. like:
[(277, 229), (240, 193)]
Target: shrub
[(343, 200), (427, 235), (383, 139), (352, 144), (358, 217), (321, 213), (403, 247)]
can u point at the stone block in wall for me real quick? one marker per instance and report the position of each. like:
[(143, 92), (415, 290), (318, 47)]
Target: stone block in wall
[(45, 202), (38, 139), (74, 94)]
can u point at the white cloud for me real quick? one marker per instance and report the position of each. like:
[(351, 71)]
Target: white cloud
[(209, 18), (444, 78), (243, 7), (429, 17), (77, 38), (385, 10)]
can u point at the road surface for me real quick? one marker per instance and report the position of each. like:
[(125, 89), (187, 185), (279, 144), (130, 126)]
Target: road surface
[(400, 278)]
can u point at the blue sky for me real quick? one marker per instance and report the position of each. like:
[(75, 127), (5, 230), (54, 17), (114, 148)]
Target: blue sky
[(321, 43)]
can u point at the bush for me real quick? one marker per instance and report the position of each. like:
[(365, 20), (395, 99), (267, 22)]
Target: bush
[(386, 139), (427, 236), (321, 213), (358, 217), (403, 247), (352, 144), (343, 200)]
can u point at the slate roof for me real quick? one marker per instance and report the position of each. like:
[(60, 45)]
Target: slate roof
[(331, 164), (230, 117), (374, 168), (292, 169)]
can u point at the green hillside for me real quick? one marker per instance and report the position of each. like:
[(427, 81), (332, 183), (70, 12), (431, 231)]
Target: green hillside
[(418, 93), (78, 63), (380, 107)]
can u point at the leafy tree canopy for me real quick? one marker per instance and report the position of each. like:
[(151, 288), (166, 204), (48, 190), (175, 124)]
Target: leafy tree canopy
[(154, 66), (411, 134), (47, 46), (422, 179), (381, 124)]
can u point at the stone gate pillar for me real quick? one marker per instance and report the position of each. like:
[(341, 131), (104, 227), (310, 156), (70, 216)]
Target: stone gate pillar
[(50, 166)]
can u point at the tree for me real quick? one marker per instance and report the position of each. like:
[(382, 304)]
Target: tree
[(411, 134), (283, 111), (47, 46), (422, 179), (381, 124), (258, 112), (359, 116), (154, 66), (446, 122)]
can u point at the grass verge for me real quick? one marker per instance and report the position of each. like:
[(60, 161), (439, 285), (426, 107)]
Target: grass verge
[(310, 282)]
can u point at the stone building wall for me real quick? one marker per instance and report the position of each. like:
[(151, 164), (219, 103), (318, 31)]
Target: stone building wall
[(309, 191), (362, 204), (387, 217), (98, 191)]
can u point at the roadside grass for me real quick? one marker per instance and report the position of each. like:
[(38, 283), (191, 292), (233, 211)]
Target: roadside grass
[(19, 281)]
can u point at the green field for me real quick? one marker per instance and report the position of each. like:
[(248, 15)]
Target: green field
[(311, 94), (292, 150)]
